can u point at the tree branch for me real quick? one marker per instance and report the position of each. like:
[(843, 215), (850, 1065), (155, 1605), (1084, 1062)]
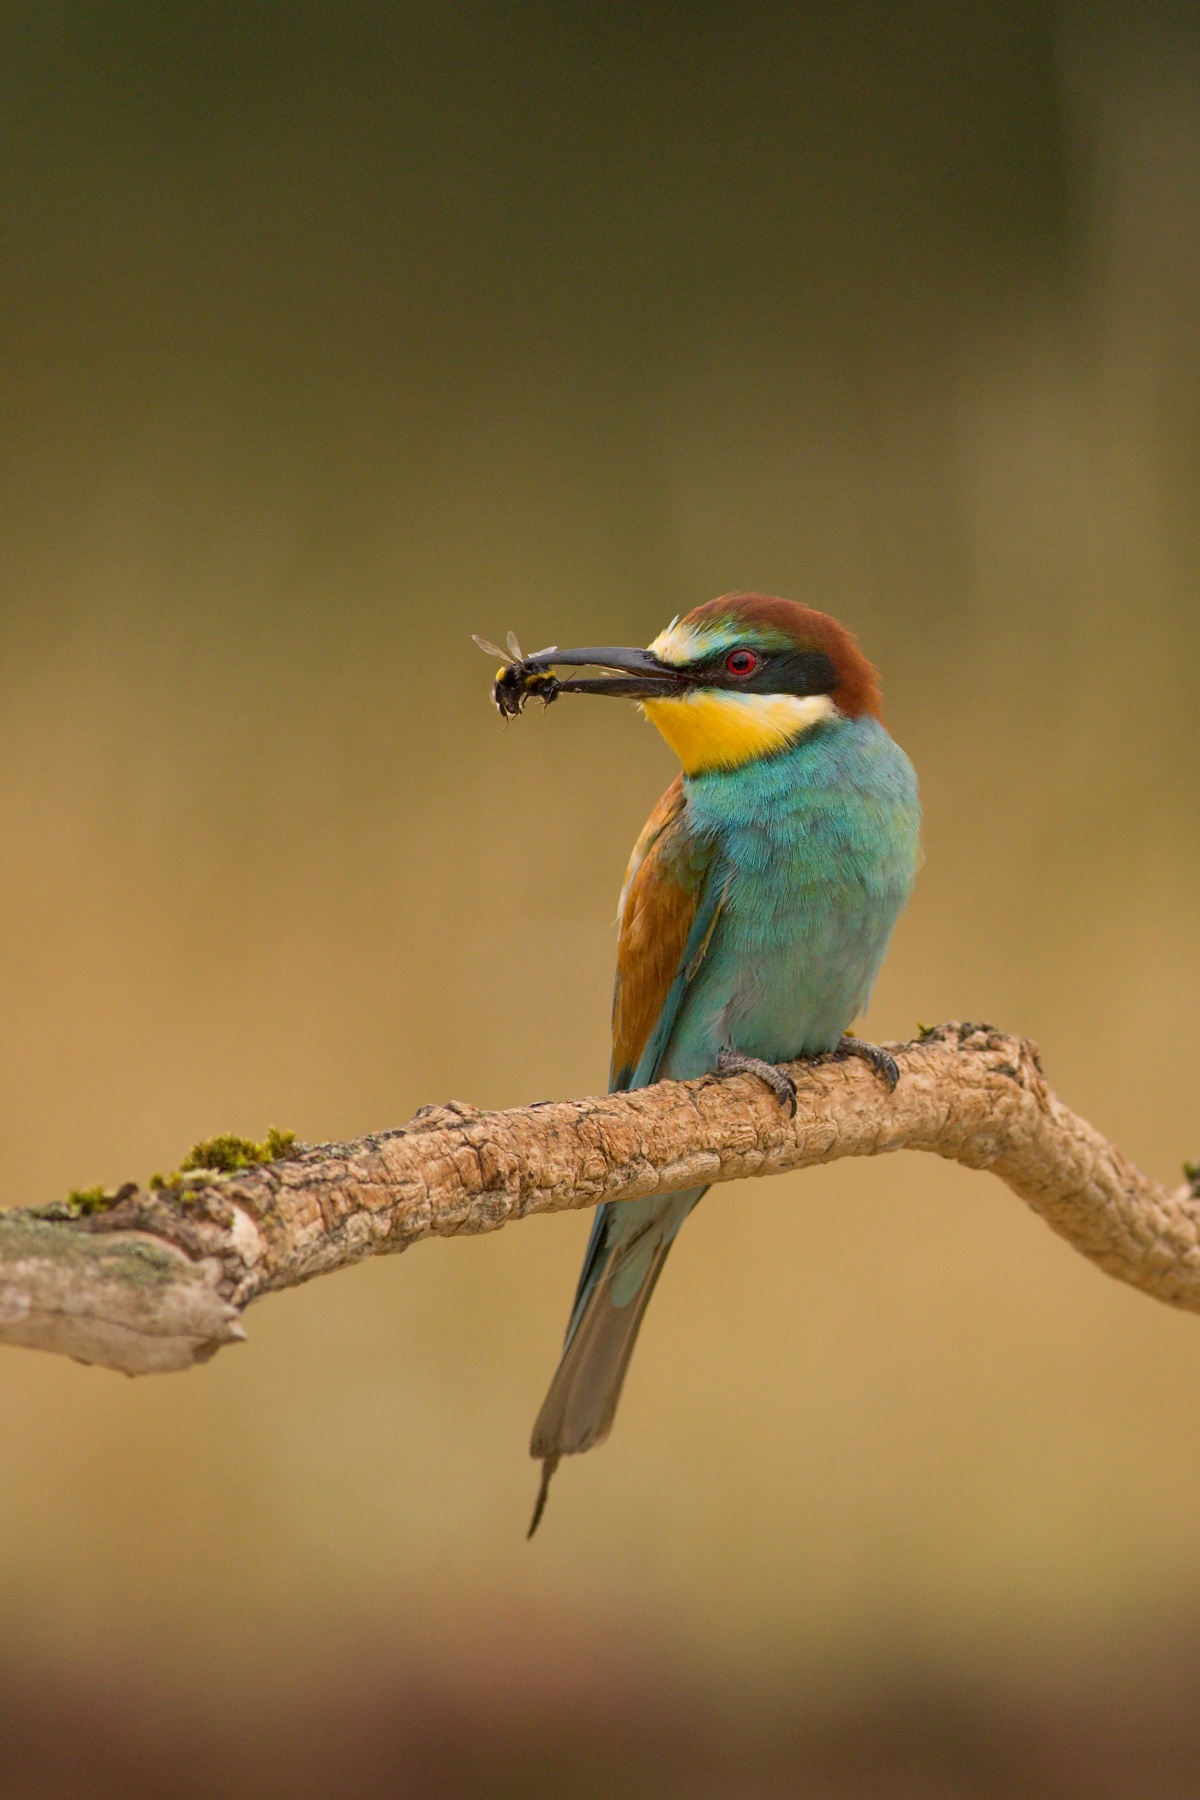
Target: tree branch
[(158, 1279)]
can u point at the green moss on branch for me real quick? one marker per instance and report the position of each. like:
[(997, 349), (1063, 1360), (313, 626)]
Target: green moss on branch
[(225, 1154)]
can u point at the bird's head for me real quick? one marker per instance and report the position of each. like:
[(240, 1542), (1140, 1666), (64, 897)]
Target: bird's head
[(735, 679)]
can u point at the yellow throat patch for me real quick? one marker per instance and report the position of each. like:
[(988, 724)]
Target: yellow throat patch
[(710, 728)]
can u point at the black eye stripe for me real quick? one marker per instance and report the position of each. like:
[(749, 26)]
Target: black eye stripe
[(778, 672)]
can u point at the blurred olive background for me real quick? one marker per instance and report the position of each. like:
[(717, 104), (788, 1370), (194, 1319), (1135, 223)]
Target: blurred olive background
[(329, 335)]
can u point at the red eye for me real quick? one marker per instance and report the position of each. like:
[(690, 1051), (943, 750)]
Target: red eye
[(741, 662)]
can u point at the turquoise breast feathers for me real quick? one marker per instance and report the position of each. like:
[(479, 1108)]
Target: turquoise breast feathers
[(816, 850)]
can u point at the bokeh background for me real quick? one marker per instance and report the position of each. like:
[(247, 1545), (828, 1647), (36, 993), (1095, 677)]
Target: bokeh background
[(329, 335)]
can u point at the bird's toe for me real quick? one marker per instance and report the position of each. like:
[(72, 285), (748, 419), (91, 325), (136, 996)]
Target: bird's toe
[(881, 1060), (732, 1062)]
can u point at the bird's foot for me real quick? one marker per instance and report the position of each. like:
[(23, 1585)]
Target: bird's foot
[(732, 1062), (882, 1061)]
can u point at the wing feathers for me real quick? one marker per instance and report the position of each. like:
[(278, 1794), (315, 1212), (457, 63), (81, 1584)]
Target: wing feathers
[(663, 894), (669, 909)]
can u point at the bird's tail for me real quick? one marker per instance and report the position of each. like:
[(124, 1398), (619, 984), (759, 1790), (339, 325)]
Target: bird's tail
[(628, 1248)]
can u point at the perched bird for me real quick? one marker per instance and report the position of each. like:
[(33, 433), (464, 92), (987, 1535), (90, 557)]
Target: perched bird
[(756, 911)]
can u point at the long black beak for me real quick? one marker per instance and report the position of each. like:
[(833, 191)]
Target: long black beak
[(642, 676)]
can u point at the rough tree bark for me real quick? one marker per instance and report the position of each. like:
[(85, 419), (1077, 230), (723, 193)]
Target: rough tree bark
[(158, 1280)]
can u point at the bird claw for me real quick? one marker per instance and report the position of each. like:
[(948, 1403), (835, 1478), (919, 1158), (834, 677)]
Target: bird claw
[(882, 1061), (732, 1062)]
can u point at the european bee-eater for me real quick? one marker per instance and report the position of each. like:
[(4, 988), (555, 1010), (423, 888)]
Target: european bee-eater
[(756, 911)]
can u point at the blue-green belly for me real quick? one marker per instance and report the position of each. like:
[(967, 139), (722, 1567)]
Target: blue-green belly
[(817, 850)]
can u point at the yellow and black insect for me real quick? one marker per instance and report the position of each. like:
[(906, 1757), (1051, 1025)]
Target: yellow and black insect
[(520, 678), (638, 675)]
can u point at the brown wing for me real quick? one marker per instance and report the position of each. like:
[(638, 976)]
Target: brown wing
[(662, 891)]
